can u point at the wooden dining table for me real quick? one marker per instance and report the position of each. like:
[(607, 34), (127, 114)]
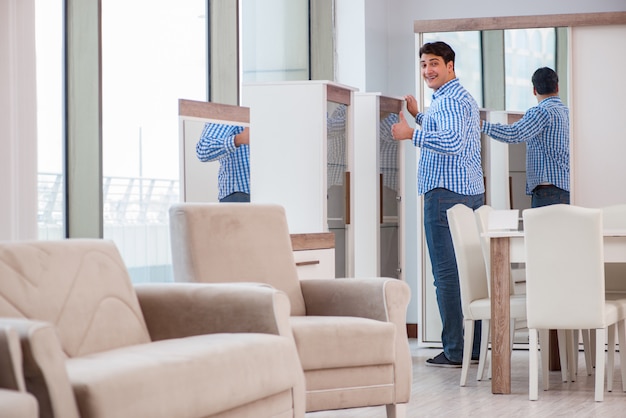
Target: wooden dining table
[(507, 246)]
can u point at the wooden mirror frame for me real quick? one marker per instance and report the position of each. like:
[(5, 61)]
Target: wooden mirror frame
[(519, 22)]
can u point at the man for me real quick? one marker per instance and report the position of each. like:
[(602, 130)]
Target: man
[(449, 172), (545, 129), (229, 144)]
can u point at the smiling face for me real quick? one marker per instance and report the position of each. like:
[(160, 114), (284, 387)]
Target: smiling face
[(435, 71)]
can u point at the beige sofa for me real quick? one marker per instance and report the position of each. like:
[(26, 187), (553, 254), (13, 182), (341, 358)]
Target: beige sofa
[(15, 402), (350, 333), (96, 346)]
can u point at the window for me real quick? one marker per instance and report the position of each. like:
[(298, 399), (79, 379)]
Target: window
[(275, 40), (49, 58), (153, 53), (525, 50)]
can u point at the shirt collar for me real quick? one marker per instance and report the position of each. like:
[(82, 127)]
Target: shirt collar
[(447, 86)]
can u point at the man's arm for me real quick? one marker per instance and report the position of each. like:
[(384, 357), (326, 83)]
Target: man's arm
[(218, 141), (529, 126)]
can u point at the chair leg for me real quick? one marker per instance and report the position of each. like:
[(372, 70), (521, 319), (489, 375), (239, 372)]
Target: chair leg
[(587, 349), (610, 358), (533, 371), (544, 344), (572, 354), (562, 338), (468, 339), (621, 333), (396, 410), (600, 339), (592, 341), (484, 345)]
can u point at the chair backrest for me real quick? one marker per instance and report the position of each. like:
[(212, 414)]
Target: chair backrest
[(482, 221), (469, 256), (564, 267), (235, 242), (614, 216), (81, 286)]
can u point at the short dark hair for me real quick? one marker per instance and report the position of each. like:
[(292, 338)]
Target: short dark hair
[(440, 49), (545, 81)]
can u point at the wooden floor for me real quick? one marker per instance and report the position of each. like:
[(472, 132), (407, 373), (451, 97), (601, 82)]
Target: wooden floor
[(436, 393)]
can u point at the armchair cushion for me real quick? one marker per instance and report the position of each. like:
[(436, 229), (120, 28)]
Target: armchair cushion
[(200, 376), (326, 342)]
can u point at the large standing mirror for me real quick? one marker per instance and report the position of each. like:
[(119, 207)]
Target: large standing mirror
[(495, 60)]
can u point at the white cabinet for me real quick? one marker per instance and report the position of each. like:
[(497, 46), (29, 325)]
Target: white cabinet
[(314, 255), (301, 154), (378, 181)]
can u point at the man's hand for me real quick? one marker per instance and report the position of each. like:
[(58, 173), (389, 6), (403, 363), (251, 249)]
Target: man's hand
[(243, 138), (411, 105), (401, 130)]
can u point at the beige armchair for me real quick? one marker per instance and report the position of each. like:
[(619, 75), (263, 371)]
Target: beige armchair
[(350, 333), (15, 402), (96, 346)]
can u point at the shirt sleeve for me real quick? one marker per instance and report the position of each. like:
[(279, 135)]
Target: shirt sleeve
[(442, 131), (217, 141), (529, 126)]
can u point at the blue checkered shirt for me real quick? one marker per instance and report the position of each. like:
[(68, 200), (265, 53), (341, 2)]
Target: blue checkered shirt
[(545, 129), (217, 143), (449, 139)]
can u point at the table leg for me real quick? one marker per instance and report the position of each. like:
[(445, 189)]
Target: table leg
[(500, 315)]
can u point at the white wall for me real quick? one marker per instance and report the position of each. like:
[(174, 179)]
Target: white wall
[(597, 117), (18, 120)]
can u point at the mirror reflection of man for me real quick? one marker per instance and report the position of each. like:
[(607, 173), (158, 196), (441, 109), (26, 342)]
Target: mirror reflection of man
[(545, 129), (230, 145)]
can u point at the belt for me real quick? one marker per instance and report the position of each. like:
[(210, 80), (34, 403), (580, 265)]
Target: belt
[(543, 186)]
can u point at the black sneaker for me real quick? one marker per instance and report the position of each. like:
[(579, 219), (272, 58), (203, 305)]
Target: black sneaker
[(442, 361), (475, 360)]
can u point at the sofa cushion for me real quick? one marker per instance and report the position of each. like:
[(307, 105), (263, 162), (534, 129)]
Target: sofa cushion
[(161, 379), (80, 286), (340, 341)]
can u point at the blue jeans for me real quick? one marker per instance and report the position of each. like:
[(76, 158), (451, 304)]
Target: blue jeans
[(549, 195), (443, 260), (236, 197)]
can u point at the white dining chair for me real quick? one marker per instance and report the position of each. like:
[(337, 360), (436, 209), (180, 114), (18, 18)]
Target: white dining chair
[(517, 275), (517, 286), (613, 217), (564, 250), (475, 301)]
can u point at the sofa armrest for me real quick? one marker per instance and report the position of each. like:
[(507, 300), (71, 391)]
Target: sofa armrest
[(43, 367), (175, 310)]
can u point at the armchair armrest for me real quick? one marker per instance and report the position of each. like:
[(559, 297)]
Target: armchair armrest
[(11, 373), (174, 310), (43, 367), (379, 298)]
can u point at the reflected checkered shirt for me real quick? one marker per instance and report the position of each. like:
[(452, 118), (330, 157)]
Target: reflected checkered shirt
[(217, 142), (449, 139), (545, 129), (389, 152)]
